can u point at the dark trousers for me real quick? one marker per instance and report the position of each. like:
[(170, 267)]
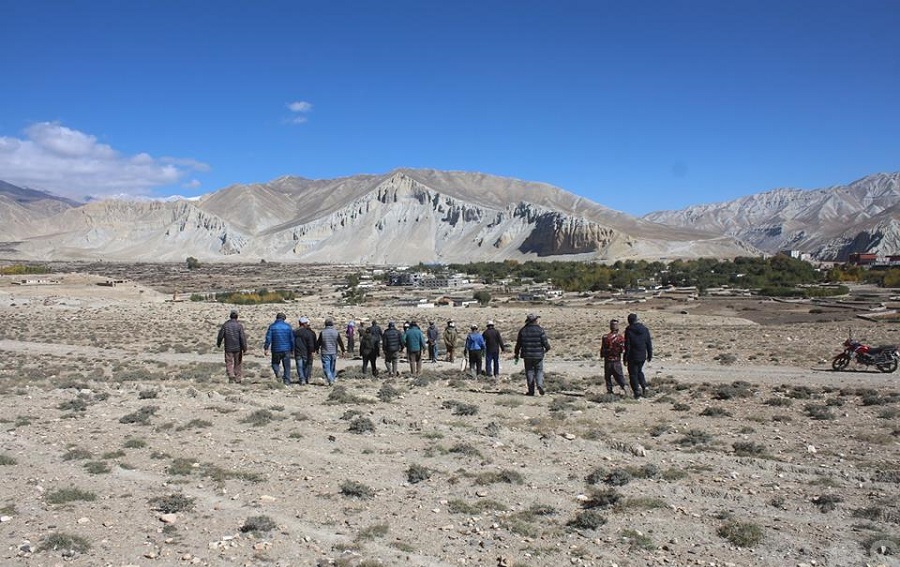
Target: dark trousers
[(280, 359), (613, 369), (370, 358), (636, 377), (475, 357), (492, 363)]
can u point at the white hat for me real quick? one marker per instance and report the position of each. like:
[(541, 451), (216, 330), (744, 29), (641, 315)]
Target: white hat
[(304, 320), (490, 323)]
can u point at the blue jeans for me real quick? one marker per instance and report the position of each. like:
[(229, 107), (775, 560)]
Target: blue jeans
[(492, 360), (282, 359), (329, 362), (304, 369), (534, 374)]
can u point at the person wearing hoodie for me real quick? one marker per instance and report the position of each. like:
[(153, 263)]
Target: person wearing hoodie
[(415, 343), (638, 350), (280, 337), (327, 344)]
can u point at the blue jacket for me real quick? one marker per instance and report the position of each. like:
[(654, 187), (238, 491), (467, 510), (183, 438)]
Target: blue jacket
[(280, 336), (414, 339), (474, 341)]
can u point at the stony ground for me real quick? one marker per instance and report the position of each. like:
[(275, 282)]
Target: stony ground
[(123, 445)]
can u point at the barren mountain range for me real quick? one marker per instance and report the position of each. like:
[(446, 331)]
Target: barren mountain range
[(413, 215), (831, 223)]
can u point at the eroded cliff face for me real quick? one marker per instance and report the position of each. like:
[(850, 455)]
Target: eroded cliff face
[(393, 218)]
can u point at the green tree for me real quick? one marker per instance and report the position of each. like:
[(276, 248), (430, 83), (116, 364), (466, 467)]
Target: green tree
[(192, 263), (482, 296)]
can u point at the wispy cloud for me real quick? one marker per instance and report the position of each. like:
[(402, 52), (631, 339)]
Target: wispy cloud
[(300, 108), (55, 158)]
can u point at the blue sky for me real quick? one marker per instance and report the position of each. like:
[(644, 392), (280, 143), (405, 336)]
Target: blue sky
[(639, 106)]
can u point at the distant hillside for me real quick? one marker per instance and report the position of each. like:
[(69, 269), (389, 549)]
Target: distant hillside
[(831, 223), (405, 216)]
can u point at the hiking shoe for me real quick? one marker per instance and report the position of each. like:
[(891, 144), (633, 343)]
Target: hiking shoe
[(540, 390)]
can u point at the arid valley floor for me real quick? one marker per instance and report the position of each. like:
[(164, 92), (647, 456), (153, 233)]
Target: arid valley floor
[(123, 445)]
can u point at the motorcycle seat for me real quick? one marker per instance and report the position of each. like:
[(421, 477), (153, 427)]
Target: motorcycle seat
[(882, 348)]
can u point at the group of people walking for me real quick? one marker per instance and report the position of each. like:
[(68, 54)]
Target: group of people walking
[(301, 344)]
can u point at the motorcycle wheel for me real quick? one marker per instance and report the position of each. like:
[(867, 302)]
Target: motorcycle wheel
[(840, 362), (888, 367)]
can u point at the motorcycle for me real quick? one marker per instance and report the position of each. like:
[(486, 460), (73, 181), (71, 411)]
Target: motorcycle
[(884, 358)]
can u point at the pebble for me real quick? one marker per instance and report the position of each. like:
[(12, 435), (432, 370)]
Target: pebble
[(5, 518)]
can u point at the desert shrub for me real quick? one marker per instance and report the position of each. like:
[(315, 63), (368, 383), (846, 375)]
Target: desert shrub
[(460, 408), (141, 416), (77, 454), (195, 424), (648, 470), (818, 412), (148, 394), (77, 405), (388, 393), (465, 449), (618, 477), (596, 476), (117, 454), (738, 389), (605, 398), (741, 534), (748, 449), (587, 520), (714, 411), (726, 358), (778, 402), (361, 425), (258, 524), (373, 531), (606, 498), (680, 407), (6, 460), (660, 429), (827, 502), (260, 417), (340, 395), (59, 541), (637, 541), (417, 473), (892, 476), (800, 393), (781, 418), (695, 437), (134, 443), (66, 495), (494, 477), (889, 413), (172, 503), (97, 467), (354, 489)]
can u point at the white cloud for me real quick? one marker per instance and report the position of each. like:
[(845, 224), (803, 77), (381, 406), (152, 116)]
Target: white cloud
[(299, 106), (192, 184), (74, 164)]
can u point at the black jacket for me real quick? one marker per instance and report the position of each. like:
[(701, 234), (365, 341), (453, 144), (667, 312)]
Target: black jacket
[(391, 340), (638, 345), (493, 342), (232, 334), (531, 342), (304, 343)]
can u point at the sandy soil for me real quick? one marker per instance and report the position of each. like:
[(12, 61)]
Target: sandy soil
[(748, 434)]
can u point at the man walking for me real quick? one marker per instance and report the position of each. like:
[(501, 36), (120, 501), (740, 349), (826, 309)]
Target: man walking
[(304, 349), (474, 351), (612, 345), (368, 349), (280, 336), (391, 343), (450, 337), (434, 336), (351, 337), (493, 344), (327, 344), (638, 349), (531, 344), (232, 334), (414, 341)]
